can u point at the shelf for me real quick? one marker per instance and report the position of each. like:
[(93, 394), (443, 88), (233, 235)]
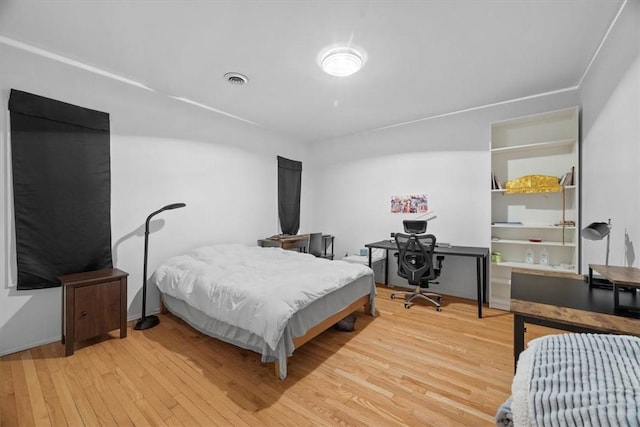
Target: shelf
[(545, 144), (527, 242), (500, 303), (537, 226), (537, 267), (536, 119), (503, 191), (535, 146), (499, 281)]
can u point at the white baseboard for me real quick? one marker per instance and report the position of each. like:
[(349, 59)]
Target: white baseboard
[(57, 339), (31, 345)]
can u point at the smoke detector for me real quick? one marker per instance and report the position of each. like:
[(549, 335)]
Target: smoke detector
[(236, 78)]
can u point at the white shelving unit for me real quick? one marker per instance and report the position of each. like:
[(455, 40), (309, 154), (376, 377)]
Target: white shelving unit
[(541, 144)]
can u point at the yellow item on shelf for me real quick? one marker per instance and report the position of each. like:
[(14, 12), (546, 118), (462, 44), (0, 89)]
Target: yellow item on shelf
[(533, 184)]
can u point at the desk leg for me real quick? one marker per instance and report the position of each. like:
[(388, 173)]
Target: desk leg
[(616, 297), (590, 277), (518, 338), (485, 269), (479, 286), (386, 267)]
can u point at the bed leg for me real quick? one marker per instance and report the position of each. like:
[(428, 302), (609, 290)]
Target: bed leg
[(367, 309), (277, 367), (163, 309)]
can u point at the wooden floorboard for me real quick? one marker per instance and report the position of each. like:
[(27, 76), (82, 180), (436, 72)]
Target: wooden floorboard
[(402, 367)]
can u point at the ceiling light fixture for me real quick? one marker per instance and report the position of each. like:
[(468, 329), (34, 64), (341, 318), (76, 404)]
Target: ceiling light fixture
[(341, 61)]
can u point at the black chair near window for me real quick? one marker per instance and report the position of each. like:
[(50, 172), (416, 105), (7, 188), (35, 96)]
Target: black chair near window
[(315, 244), (415, 263)]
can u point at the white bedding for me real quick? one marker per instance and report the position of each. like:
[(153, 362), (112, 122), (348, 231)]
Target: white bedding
[(578, 380), (254, 288)]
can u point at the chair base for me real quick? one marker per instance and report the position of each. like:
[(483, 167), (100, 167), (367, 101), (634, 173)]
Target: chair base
[(418, 293)]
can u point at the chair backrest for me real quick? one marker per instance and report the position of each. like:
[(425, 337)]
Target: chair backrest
[(415, 257), (315, 244)]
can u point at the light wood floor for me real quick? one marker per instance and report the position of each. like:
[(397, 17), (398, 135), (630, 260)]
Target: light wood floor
[(403, 367)]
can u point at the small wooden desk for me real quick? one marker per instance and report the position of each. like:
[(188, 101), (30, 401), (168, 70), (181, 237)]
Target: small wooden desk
[(568, 304), (299, 242), (618, 276)]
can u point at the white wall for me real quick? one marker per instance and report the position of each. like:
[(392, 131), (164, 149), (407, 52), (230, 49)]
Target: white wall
[(610, 97), (447, 157), (162, 151)]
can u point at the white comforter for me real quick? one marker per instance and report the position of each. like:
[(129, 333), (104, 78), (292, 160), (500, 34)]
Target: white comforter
[(257, 289)]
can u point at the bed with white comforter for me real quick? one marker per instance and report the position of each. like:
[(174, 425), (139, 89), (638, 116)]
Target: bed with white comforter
[(259, 298)]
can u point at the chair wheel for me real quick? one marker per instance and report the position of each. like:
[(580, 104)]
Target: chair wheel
[(437, 308), (393, 296), (407, 306), (439, 299)]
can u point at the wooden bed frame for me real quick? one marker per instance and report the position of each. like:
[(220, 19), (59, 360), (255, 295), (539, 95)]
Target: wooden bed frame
[(363, 301)]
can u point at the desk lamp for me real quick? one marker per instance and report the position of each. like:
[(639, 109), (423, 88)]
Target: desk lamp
[(598, 231), (146, 322)]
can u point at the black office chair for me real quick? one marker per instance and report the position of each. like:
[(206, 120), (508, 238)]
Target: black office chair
[(415, 263), (315, 244)]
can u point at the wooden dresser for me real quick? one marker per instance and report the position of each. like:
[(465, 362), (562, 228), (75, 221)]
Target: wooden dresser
[(93, 303)]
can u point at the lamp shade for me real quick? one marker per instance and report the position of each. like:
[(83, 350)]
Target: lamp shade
[(596, 231)]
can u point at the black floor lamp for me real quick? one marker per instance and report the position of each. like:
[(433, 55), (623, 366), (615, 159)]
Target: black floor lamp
[(146, 322)]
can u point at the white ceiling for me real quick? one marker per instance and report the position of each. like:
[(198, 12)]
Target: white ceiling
[(424, 58)]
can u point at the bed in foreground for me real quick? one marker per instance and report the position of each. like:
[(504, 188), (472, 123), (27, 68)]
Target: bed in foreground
[(576, 380), (267, 300)]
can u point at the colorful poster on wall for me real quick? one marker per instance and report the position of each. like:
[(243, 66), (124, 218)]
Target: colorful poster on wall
[(410, 203)]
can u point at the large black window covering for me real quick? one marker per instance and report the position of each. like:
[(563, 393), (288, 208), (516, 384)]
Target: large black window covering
[(289, 185), (61, 189)]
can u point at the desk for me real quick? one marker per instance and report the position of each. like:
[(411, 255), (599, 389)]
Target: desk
[(299, 242), (480, 254), (618, 276), (568, 304)]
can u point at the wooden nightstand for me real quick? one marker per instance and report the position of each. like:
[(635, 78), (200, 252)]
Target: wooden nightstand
[(93, 303)]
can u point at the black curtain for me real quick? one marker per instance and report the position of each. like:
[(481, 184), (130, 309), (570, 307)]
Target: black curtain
[(61, 189), (289, 185)]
